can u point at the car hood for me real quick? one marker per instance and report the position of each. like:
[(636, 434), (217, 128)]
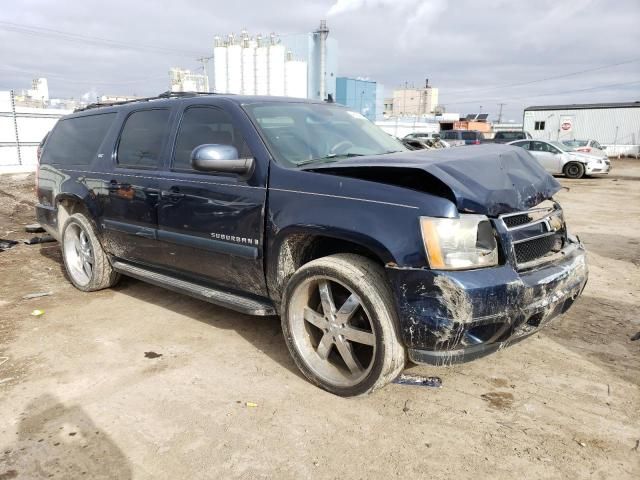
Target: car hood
[(487, 179), (586, 157)]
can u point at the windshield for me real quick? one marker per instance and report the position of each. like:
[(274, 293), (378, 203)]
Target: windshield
[(562, 147), (302, 133), (576, 143)]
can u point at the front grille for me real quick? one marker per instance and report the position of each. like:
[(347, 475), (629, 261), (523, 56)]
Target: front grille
[(536, 233), (517, 220), (535, 249)]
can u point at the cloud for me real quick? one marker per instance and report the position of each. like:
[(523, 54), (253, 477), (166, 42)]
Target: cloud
[(465, 47)]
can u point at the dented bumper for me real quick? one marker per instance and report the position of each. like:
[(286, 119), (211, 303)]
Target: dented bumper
[(448, 317)]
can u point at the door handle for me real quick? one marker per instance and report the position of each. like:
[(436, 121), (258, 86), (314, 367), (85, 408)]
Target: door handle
[(146, 233)]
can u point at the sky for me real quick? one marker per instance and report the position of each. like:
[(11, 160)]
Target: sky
[(478, 53)]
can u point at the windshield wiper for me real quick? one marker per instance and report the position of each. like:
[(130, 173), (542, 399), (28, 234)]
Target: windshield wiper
[(329, 158)]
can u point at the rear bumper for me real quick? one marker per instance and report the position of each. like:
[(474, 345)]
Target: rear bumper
[(451, 317), (47, 217)]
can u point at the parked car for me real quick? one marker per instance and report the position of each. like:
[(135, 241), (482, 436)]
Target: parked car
[(510, 136), (40, 145), (462, 137), (370, 253), (587, 146), (423, 136), (559, 159), (418, 143)]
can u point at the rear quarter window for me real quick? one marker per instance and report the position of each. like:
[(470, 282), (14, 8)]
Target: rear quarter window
[(75, 141), (142, 138)]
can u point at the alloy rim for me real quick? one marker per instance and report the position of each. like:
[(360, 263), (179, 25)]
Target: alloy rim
[(332, 331), (78, 254)]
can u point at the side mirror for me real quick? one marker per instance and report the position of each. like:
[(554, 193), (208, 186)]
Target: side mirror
[(213, 157)]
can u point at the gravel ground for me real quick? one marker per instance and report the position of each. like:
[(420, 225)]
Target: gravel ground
[(139, 382)]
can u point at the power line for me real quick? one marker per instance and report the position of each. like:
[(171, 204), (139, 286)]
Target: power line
[(550, 93), (555, 77), (86, 39)]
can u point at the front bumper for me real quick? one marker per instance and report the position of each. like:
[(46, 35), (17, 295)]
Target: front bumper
[(449, 317), (602, 168)]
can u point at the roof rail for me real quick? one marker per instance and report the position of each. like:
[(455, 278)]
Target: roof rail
[(163, 95)]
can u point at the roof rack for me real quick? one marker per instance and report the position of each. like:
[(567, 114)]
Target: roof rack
[(163, 95)]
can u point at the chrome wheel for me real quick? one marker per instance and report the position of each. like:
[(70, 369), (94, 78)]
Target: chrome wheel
[(78, 254), (332, 331)]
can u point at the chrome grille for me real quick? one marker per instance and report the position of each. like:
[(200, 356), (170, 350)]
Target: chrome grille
[(536, 234), (517, 220)]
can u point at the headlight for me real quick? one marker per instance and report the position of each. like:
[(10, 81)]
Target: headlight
[(459, 243)]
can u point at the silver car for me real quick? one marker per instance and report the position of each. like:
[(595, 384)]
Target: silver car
[(560, 159), (586, 146)]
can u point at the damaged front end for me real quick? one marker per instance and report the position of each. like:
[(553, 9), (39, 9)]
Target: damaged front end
[(450, 316)]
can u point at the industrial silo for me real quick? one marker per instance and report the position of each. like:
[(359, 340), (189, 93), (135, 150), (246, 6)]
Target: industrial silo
[(234, 66), (219, 66), (276, 67), (295, 78), (262, 67), (248, 65)]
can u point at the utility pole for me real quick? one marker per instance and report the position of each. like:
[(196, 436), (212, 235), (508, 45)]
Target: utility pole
[(205, 64), (500, 113)]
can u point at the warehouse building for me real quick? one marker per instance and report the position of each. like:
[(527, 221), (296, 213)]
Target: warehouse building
[(614, 125)]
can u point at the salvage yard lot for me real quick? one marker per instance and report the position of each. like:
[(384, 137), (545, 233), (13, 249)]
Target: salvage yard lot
[(139, 382)]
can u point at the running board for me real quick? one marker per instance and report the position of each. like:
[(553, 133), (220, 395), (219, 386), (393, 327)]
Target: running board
[(211, 295)]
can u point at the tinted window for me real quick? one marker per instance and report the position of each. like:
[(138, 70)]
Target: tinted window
[(510, 135), (142, 137), (202, 125), (468, 135), (75, 141), (449, 135)]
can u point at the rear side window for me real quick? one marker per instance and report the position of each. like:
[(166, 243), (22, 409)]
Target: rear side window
[(202, 125), (142, 138), (75, 141), (449, 135)]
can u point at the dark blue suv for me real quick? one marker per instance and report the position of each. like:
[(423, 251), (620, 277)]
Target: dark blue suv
[(370, 253)]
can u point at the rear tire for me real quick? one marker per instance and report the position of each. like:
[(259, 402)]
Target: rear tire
[(86, 263), (340, 325), (574, 170)]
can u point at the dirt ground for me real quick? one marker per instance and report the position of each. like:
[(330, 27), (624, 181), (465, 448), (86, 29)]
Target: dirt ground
[(84, 395)]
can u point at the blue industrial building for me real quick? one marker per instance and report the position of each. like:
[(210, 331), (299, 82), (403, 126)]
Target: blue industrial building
[(358, 95)]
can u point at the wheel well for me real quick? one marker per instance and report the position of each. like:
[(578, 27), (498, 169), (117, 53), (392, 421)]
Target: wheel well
[(299, 249), (67, 207)]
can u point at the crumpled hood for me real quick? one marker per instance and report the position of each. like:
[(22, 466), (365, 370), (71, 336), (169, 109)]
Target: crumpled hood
[(488, 179)]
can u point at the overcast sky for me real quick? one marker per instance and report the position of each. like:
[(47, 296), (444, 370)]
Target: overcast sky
[(479, 53)]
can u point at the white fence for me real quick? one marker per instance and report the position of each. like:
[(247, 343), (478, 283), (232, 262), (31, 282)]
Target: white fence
[(21, 130)]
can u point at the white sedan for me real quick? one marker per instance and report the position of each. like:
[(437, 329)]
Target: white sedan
[(586, 146), (557, 159)]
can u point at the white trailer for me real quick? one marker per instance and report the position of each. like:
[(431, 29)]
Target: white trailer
[(616, 126)]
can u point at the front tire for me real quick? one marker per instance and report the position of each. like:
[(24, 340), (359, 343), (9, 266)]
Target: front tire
[(86, 263), (340, 325), (574, 170)]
